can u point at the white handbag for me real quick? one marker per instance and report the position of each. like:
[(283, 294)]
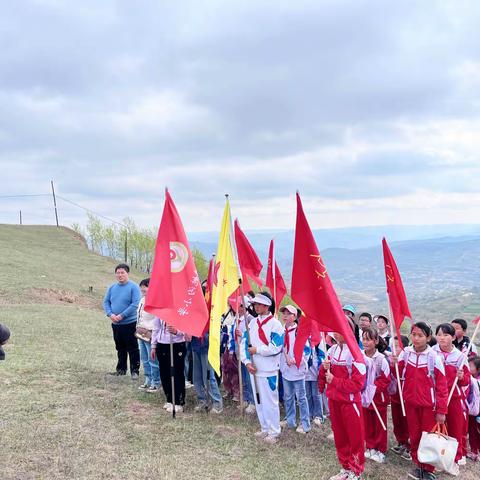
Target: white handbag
[(438, 449)]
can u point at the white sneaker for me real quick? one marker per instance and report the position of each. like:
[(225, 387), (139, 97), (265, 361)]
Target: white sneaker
[(318, 421), (201, 407), (178, 409), (369, 453), (188, 385), (250, 409), (283, 423), (271, 439), (378, 457), (261, 434), (330, 436), (166, 406), (455, 470), (300, 429), (353, 476), (462, 461), (217, 410), (342, 475)]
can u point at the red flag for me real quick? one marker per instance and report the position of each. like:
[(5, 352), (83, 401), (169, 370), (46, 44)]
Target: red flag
[(274, 280), (175, 293), (250, 264), (396, 292), (313, 292)]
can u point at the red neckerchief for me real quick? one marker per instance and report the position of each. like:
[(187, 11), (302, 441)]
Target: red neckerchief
[(286, 340), (261, 333)]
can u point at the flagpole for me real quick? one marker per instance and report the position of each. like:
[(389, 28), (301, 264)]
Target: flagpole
[(172, 375), (274, 277), (378, 415), (247, 326), (397, 371), (465, 358)]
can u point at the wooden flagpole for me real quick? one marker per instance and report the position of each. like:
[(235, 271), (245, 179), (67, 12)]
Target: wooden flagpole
[(397, 372)]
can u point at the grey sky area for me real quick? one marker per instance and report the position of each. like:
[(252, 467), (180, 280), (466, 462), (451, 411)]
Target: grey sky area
[(371, 109)]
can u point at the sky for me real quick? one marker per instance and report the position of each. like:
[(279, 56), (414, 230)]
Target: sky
[(371, 109)]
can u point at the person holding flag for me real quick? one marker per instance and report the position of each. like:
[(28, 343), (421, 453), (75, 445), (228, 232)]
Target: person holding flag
[(260, 351), (343, 374)]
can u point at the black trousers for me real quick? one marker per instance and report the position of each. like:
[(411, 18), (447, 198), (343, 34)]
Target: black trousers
[(163, 355), (127, 346)]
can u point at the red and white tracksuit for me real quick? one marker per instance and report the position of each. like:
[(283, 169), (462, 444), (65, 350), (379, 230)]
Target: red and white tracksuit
[(345, 405), (424, 397), (375, 435), (473, 425), (457, 414)]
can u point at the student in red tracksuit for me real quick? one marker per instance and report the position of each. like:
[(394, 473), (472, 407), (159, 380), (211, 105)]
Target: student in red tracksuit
[(455, 366), (375, 435), (424, 392), (400, 425), (474, 416), (344, 379)]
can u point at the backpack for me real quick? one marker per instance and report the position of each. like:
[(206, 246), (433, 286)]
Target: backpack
[(369, 388), (473, 398)]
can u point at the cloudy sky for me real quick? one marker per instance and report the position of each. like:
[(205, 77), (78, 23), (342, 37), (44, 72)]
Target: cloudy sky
[(371, 109)]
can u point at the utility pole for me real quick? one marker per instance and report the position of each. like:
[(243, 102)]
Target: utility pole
[(54, 203), (21, 217)]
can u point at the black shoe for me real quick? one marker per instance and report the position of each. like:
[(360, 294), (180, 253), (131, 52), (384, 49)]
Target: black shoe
[(118, 373), (417, 474), (429, 475)]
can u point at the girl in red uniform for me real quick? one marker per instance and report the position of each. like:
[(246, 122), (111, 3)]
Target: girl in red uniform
[(375, 435), (344, 379), (455, 366), (424, 392)]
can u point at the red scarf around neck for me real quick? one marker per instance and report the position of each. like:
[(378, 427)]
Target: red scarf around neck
[(261, 333)]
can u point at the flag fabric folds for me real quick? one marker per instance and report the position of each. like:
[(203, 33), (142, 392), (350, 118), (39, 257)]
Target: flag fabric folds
[(313, 292), (274, 280), (396, 292), (225, 282), (250, 264), (175, 293)]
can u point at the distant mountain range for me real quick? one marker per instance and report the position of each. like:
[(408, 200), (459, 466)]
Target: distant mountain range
[(440, 264)]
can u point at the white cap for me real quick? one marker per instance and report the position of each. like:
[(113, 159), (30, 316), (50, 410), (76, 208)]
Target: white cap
[(262, 300), (290, 309)]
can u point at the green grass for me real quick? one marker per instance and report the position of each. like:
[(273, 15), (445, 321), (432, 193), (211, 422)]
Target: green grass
[(61, 417)]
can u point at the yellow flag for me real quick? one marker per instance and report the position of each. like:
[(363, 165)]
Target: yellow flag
[(224, 284)]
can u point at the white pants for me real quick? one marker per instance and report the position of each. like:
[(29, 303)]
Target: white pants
[(268, 411)]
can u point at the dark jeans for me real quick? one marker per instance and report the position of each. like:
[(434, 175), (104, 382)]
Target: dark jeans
[(163, 355), (127, 346)]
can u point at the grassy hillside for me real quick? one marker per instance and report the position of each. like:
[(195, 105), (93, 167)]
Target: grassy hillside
[(61, 417)]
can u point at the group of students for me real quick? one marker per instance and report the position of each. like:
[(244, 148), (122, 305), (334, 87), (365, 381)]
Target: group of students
[(257, 356)]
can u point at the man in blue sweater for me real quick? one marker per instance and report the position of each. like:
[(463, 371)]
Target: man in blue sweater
[(120, 305)]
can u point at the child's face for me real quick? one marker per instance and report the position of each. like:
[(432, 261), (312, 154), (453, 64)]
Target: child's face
[(381, 324), (369, 344), (287, 317), (260, 309), (444, 340), (419, 339), (398, 346), (459, 333), (364, 323), (144, 290), (473, 370)]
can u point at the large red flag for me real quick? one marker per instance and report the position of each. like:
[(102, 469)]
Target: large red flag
[(250, 264), (175, 293), (274, 281), (313, 292), (396, 292)]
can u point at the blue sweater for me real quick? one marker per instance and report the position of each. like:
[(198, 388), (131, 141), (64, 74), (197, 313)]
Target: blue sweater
[(122, 299)]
